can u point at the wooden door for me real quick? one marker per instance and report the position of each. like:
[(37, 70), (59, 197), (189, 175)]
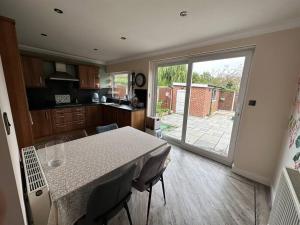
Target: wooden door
[(33, 71), (42, 125), (12, 68)]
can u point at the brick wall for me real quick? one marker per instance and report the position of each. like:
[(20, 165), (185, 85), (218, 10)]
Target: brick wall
[(120, 91), (201, 103), (215, 103), (200, 100), (227, 99), (165, 95)]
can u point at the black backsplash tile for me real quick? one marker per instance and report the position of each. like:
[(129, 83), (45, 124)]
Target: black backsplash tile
[(39, 98)]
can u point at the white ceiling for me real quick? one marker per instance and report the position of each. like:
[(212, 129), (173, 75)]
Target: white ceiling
[(149, 25)]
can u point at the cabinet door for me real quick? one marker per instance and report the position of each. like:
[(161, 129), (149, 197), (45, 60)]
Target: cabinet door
[(109, 115), (93, 116), (41, 126), (123, 118), (138, 119), (83, 76), (94, 77), (33, 71)]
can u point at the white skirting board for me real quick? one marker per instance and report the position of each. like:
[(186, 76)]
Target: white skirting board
[(251, 176)]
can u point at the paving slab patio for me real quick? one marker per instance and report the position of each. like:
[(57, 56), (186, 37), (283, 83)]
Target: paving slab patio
[(211, 133)]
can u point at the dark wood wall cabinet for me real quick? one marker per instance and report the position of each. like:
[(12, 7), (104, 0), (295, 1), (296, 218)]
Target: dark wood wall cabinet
[(89, 77), (15, 84), (33, 71)]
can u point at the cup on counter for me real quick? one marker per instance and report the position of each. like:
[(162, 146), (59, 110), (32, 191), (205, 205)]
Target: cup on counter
[(55, 153)]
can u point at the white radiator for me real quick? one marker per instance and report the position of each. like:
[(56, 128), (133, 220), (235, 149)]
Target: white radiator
[(286, 208), (37, 187)]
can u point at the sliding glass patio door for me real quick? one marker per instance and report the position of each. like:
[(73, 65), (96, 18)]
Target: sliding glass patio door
[(200, 102), (170, 104)]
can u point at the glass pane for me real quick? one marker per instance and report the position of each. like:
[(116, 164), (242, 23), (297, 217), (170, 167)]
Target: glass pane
[(120, 85), (171, 87), (214, 94)]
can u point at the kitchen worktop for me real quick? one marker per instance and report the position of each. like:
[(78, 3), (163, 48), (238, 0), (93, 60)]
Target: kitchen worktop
[(115, 105)]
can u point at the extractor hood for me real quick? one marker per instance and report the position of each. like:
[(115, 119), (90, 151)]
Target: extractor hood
[(61, 73)]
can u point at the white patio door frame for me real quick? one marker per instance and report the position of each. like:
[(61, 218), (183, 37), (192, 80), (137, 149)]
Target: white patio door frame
[(246, 52)]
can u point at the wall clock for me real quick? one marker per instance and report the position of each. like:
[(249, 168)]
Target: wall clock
[(140, 80)]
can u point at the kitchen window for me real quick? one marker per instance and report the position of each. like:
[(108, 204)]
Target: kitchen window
[(120, 84)]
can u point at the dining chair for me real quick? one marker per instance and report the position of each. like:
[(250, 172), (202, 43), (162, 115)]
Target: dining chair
[(108, 199), (101, 129), (151, 173)]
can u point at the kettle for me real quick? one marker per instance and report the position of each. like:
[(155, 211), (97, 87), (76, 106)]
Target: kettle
[(95, 98), (103, 99)]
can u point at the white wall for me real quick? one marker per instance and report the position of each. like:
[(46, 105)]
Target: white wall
[(289, 148), (273, 75)]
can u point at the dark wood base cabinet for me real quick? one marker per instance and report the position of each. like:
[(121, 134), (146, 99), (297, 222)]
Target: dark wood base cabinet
[(41, 123), (50, 122), (123, 118)]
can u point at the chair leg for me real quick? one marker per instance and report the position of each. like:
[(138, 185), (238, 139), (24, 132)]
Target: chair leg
[(149, 202), (163, 187), (128, 213)]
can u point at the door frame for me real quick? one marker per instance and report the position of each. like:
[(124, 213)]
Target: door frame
[(247, 52)]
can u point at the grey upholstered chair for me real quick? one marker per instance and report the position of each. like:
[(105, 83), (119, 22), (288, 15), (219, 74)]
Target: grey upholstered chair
[(101, 129), (151, 173), (108, 199)]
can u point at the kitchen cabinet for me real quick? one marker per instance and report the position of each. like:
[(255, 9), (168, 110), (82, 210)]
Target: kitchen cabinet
[(133, 118), (93, 116), (41, 123), (68, 119), (109, 115), (33, 71), (12, 68), (89, 77)]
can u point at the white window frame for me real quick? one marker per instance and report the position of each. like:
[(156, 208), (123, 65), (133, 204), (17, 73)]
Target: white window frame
[(113, 82)]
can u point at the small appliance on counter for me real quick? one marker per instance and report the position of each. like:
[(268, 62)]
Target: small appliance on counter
[(95, 98), (103, 99), (153, 126)]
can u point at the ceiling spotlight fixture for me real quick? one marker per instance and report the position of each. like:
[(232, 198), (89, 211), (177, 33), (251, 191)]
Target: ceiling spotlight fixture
[(96, 49), (43, 34), (183, 13), (58, 11), (123, 38)]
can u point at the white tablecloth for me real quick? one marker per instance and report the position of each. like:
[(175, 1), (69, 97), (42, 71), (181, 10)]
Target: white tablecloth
[(89, 162)]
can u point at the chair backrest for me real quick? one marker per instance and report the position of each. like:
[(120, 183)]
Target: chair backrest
[(154, 165), (109, 194), (101, 129)]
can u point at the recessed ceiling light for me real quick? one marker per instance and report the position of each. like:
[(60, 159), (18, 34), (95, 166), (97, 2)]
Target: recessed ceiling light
[(58, 11), (123, 38), (183, 13), (43, 34), (96, 49)]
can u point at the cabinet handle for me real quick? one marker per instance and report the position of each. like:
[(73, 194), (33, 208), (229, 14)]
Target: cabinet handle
[(46, 114), (41, 82)]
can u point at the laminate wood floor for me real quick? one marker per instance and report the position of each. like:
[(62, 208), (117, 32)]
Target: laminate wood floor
[(199, 192)]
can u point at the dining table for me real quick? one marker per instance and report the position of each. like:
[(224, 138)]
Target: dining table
[(87, 163)]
